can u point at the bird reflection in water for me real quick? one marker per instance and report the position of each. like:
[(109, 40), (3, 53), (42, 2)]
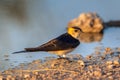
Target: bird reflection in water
[(91, 37)]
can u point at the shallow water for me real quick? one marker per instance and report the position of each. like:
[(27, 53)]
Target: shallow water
[(40, 21)]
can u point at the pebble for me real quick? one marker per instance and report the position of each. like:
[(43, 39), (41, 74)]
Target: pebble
[(108, 49), (97, 73), (110, 78), (90, 67), (26, 75), (36, 73), (1, 77), (88, 57), (109, 62), (81, 63), (116, 63), (110, 67)]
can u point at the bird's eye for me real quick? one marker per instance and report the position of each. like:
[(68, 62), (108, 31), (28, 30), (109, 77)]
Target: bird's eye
[(76, 30)]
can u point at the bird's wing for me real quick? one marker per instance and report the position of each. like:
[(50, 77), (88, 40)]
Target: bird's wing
[(55, 45), (63, 42)]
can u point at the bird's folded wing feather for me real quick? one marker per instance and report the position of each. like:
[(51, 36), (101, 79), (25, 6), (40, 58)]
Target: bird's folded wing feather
[(63, 42)]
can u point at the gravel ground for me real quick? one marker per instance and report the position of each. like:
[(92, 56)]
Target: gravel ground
[(103, 64)]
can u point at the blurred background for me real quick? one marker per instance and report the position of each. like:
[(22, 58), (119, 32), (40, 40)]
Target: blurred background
[(30, 23)]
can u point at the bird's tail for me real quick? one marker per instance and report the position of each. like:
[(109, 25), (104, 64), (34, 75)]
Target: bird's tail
[(19, 52), (28, 50)]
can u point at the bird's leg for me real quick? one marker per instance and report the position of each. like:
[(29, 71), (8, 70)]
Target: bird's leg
[(62, 57), (59, 56)]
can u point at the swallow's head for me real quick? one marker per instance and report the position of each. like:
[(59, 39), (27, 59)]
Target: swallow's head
[(74, 31)]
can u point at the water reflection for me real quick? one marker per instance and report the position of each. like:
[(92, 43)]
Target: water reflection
[(91, 37)]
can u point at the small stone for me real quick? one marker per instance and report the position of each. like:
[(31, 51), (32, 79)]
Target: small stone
[(36, 73), (81, 63), (97, 73), (9, 77), (90, 67), (90, 73), (108, 62), (1, 77), (88, 57), (97, 52), (110, 78), (33, 78), (119, 55), (37, 61), (13, 78), (118, 49), (54, 65), (102, 57), (109, 73), (108, 49), (110, 67), (26, 75), (116, 63)]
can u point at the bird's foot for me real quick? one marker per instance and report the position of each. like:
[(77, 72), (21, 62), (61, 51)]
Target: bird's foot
[(63, 57)]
